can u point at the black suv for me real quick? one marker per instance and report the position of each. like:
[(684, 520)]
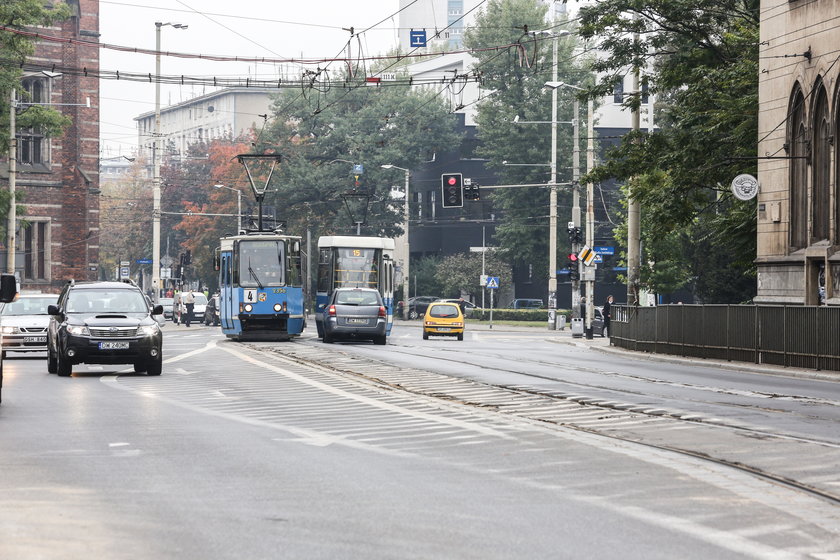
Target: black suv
[(103, 323)]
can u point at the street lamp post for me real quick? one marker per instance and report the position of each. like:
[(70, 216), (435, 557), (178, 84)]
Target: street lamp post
[(12, 224), (238, 205), (156, 167), (406, 244), (590, 204)]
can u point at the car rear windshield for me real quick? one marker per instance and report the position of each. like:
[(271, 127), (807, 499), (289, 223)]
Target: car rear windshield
[(357, 298), (106, 301), (444, 311)]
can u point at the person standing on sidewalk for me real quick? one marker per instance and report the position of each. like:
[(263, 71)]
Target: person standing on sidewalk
[(189, 303), (607, 312)]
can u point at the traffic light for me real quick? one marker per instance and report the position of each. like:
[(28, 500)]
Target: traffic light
[(573, 267), (471, 192), (452, 185), (575, 235), (188, 257)]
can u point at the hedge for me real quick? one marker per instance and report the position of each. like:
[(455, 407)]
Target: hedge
[(515, 314)]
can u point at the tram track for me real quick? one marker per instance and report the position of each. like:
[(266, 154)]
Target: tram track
[(612, 418)]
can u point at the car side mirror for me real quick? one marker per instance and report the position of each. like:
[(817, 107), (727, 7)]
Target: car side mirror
[(53, 310), (8, 288), (158, 310)]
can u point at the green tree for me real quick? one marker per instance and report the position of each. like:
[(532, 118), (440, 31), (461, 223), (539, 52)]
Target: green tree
[(424, 280), (461, 273), (517, 80), (326, 130), (704, 70), (14, 51)]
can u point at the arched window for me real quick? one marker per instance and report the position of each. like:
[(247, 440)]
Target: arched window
[(797, 141), (821, 167)]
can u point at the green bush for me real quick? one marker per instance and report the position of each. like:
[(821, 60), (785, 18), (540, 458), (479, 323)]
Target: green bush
[(516, 314)]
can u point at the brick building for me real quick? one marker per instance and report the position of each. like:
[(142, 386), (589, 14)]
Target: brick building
[(799, 202), (58, 178)]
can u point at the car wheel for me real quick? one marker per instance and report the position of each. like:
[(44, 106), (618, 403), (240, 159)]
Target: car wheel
[(380, 340), (139, 367), (63, 367), (461, 336), (413, 314), (328, 339), (425, 335), (154, 366), (52, 363)]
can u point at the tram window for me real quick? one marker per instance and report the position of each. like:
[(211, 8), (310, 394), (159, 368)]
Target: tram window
[(357, 268), (261, 263)]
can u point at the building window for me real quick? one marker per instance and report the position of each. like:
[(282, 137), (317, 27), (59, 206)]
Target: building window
[(797, 142), (821, 167), (618, 90), (34, 240), (31, 141)]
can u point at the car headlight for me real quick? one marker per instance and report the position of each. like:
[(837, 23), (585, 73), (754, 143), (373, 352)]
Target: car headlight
[(9, 330), (248, 307), (148, 330), (78, 330)]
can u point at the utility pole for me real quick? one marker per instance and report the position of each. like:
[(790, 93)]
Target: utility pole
[(634, 212), (12, 223), (590, 214), (576, 203), (552, 228)]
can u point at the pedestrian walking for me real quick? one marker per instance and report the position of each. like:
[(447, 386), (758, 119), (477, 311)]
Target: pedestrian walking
[(189, 303), (176, 308), (607, 312)]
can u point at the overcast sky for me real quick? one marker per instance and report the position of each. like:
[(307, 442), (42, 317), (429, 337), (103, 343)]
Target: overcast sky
[(271, 28)]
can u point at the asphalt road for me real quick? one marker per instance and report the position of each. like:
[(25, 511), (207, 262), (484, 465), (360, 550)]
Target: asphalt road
[(280, 451)]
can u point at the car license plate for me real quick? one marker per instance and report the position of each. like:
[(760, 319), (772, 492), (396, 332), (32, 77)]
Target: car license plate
[(34, 338), (444, 329), (357, 321), (113, 345)]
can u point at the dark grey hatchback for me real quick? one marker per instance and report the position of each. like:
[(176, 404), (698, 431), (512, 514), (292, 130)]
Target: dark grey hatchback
[(103, 323), (355, 313)]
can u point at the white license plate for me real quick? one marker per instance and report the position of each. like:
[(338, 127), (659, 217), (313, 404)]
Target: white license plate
[(113, 345), (34, 338), (443, 329), (357, 321)]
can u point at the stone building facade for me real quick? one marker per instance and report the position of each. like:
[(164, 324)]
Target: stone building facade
[(58, 178), (798, 253)]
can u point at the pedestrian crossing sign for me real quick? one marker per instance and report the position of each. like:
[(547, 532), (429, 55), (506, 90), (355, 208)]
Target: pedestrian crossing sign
[(492, 282)]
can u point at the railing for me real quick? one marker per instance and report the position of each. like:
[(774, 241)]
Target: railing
[(793, 336)]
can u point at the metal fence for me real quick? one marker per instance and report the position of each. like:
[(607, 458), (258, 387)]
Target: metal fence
[(794, 336)]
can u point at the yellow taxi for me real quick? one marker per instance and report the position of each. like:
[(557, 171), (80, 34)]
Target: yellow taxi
[(443, 319)]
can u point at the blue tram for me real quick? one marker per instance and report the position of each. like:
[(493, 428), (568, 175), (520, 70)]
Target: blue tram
[(356, 262), (261, 286)]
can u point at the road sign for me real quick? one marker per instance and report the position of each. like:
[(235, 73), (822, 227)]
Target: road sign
[(483, 280), (604, 250), (587, 255), (358, 169), (125, 272), (493, 282), (598, 258), (143, 261), (417, 38)]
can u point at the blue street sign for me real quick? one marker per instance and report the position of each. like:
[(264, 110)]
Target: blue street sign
[(358, 168), (493, 282), (417, 38), (598, 259), (604, 250), (144, 261)]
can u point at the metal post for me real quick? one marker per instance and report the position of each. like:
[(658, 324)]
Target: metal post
[(406, 264), (552, 229), (12, 223), (576, 201), (634, 217), (238, 211), (156, 175), (590, 214)]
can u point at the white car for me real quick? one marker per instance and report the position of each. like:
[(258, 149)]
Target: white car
[(199, 307), (25, 323)]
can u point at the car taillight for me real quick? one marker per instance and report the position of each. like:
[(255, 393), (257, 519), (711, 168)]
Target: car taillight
[(381, 311), (331, 311)]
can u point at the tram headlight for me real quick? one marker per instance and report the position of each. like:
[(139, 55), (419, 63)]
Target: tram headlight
[(278, 308), (248, 307)]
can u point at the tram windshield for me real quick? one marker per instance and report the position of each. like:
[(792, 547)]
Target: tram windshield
[(357, 268), (261, 264)]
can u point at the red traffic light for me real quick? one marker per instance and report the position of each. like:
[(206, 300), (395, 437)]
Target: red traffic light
[(573, 257), (452, 181)]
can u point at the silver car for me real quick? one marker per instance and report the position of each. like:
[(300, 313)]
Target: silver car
[(25, 323), (356, 313)]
